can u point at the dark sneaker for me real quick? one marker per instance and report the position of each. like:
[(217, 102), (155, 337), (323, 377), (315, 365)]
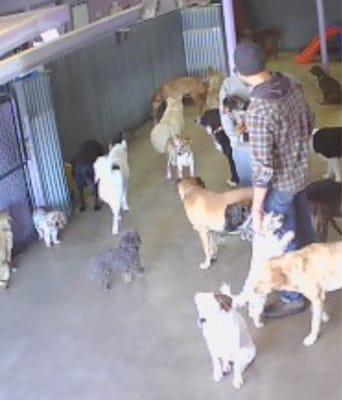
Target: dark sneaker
[(280, 309)]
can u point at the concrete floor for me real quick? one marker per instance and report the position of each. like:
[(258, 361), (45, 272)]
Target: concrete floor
[(62, 338)]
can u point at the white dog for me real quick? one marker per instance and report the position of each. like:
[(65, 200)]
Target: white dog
[(265, 245), (6, 247), (111, 174), (48, 224), (180, 156), (171, 124), (226, 334)]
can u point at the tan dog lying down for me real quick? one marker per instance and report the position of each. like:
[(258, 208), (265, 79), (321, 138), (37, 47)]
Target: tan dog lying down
[(312, 271), (211, 213), (180, 87)]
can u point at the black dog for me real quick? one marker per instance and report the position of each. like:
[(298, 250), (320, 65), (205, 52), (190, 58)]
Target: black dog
[(211, 121), (234, 102), (84, 170), (325, 198), (330, 87), (328, 143)]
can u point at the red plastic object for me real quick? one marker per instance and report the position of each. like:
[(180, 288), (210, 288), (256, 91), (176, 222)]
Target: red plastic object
[(314, 47)]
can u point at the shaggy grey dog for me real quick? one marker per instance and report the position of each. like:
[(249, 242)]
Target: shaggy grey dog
[(125, 259)]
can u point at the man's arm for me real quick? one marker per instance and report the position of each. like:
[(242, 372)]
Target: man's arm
[(260, 129)]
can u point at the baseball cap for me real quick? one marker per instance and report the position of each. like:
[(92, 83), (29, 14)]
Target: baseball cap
[(249, 59)]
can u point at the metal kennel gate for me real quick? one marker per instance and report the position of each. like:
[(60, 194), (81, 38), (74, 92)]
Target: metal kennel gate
[(14, 184)]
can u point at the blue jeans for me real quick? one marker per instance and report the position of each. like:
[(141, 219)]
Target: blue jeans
[(295, 208)]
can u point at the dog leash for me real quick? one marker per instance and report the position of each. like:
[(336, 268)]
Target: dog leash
[(217, 130)]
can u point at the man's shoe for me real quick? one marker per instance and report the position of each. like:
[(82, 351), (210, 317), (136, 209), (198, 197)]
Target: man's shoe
[(280, 309)]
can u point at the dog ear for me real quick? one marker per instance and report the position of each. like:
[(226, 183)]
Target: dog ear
[(199, 181), (224, 301)]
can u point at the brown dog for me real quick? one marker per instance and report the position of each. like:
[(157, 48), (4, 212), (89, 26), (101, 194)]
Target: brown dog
[(312, 271), (211, 213), (180, 87), (330, 87)]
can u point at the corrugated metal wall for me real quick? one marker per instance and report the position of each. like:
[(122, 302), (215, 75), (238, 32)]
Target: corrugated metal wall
[(14, 190), (204, 40), (107, 86), (45, 162)]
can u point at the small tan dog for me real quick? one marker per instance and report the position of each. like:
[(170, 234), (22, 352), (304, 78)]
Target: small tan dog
[(6, 246), (170, 125), (312, 271), (210, 213), (180, 87), (179, 155)]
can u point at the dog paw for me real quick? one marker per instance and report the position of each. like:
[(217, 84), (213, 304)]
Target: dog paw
[(204, 265), (309, 340), (325, 317), (125, 207), (4, 284), (57, 242), (217, 376), (238, 382), (259, 324)]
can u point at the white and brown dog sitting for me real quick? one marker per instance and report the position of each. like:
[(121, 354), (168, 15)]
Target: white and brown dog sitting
[(6, 246), (180, 156), (226, 334), (48, 224), (111, 175)]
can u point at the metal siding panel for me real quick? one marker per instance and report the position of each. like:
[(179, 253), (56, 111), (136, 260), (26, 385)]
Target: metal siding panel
[(44, 139), (201, 17), (107, 86), (204, 49), (203, 40)]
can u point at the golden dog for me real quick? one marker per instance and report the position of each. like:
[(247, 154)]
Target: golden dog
[(214, 82), (6, 245), (180, 87), (312, 271), (211, 213)]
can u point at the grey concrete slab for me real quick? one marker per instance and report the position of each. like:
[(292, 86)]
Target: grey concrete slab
[(63, 338)]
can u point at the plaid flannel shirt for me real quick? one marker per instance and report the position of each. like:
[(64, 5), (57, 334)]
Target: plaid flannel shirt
[(279, 133)]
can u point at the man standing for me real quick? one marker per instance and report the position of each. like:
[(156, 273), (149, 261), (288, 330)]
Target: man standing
[(279, 123)]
